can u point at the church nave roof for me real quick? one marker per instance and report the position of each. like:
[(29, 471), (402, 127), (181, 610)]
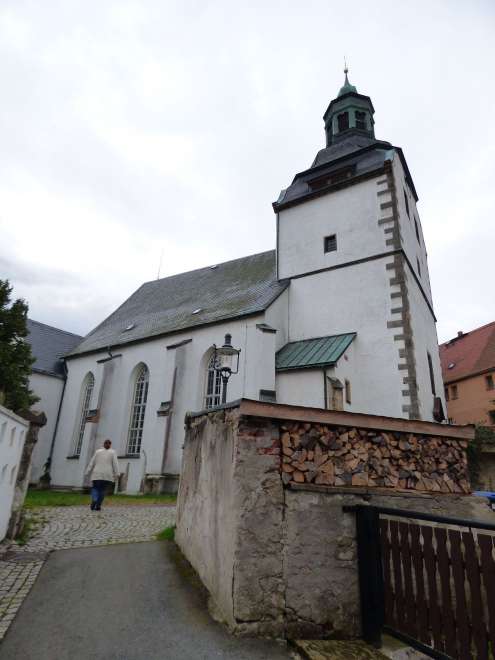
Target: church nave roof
[(208, 295)]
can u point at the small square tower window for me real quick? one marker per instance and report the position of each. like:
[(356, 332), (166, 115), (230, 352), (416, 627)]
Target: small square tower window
[(330, 243)]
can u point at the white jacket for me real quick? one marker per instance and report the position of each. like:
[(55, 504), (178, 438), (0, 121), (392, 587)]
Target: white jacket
[(103, 465)]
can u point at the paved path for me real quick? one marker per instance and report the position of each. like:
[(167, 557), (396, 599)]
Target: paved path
[(123, 602), (70, 527)]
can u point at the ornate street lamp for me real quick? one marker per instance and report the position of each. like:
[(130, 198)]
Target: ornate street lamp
[(226, 361)]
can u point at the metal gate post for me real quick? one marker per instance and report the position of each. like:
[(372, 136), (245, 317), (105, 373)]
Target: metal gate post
[(370, 573)]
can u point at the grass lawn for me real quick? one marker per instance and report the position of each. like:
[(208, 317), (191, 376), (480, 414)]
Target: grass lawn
[(37, 498)]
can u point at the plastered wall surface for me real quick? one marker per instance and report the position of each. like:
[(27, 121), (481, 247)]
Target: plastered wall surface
[(13, 431), (279, 561)]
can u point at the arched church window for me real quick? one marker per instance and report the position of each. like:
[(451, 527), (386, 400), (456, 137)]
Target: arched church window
[(138, 408), (343, 121), (360, 120), (213, 385), (87, 392)]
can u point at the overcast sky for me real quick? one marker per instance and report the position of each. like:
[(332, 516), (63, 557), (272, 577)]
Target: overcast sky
[(128, 129)]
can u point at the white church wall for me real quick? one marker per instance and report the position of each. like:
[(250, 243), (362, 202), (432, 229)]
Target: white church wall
[(67, 471), (259, 371), (413, 248), (350, 214), (425, 341), (189, 395), (13, 431), (277, 315), (49, 390), (353, 299), (422, 322)]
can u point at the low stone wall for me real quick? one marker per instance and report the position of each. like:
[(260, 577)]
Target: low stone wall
[(277, 553)]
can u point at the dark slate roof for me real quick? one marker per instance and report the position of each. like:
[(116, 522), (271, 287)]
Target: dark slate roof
[(48, 346), (224, 291), (358, 152), (311, 353)]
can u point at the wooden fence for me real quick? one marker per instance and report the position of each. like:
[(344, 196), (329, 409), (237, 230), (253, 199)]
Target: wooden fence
[(428, 580)]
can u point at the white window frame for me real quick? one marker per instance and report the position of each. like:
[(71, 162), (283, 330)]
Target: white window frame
[(87, 393), (213, 387), (138, 410)]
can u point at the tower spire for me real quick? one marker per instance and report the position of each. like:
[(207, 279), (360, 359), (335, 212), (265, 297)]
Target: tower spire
[(347, 87)]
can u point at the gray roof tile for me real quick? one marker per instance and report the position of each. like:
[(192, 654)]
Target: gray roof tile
[(228, 290), (48, 346)]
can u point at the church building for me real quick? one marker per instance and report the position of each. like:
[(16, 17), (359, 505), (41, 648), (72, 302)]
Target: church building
[(338, 316)]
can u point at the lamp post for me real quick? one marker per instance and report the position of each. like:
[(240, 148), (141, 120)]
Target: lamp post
[(226, 361)]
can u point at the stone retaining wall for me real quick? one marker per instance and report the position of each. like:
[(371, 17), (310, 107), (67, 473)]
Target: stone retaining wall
[(277, 553)]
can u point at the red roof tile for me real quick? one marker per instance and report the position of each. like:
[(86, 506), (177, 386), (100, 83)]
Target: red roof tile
[(471, 353)]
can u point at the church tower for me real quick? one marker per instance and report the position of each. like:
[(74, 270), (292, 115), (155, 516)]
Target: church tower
[(349, 239)]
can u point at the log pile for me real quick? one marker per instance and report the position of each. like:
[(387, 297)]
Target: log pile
[(339, 456)]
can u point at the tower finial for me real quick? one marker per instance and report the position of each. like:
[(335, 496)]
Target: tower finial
[(346, 71)]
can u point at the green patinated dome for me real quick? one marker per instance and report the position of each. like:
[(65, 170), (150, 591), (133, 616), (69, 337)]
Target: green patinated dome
[(347, 87)]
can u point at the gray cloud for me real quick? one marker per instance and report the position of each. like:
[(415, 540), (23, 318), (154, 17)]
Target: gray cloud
[(148, 125)]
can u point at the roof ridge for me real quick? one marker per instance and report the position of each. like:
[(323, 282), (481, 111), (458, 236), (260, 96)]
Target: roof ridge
[(52, 327), (338, 334), (468, 332), (196, 270)]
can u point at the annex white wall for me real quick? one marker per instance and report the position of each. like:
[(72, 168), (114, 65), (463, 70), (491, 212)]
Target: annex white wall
[(13, 431), (301, 387), (351, 214), (49, 389)]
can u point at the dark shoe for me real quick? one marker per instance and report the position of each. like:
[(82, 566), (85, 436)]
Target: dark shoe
[(97, 508), (92, 506)]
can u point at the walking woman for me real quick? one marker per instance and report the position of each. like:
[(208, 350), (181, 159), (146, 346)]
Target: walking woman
[(103, 470)]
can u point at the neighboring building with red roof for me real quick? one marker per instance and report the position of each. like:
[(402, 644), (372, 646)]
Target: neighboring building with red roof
[(468, 367)]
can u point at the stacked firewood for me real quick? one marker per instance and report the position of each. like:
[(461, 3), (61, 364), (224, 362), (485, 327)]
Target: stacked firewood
[(339, 456)]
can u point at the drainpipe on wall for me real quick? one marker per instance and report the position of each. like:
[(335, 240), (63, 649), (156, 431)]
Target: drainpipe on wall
[(325, 389), (169, 422), (47, 477)]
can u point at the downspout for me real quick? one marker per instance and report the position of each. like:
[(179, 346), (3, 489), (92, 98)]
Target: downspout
[(169, 422), (48, 462), (325, 388)]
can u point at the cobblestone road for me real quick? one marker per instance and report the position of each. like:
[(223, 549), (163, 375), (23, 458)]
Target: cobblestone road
[(59, 528)]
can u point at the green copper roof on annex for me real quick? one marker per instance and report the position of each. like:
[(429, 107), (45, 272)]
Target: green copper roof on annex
[(312, 353)]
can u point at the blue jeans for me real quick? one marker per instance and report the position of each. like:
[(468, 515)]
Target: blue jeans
[(98, 492)]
